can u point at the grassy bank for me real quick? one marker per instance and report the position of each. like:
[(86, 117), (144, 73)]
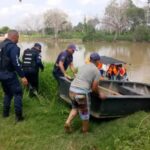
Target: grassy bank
[(44, 120)]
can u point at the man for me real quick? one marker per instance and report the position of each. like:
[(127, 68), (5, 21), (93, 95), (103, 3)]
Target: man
[(64, 60), (86, 80), (9, 68), (31, 63)]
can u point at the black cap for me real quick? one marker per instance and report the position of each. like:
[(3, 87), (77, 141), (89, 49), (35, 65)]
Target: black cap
[(72, 46), (94, 56), (38, 45)]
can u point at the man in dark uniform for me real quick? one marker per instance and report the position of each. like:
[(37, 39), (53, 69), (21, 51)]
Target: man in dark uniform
[(9, 68), (64, 60), (31, 63)]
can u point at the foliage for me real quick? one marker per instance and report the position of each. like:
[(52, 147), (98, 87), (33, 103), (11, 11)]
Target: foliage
[(136, 16), (141, 33), (115, 18), (104, 36), (56, 20), (4, 30), (71, 35)]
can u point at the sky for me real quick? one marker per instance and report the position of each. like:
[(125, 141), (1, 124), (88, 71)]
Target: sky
[(13, 12)]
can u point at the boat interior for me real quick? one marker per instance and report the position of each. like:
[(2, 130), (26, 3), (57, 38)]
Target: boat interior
[(124, 88)]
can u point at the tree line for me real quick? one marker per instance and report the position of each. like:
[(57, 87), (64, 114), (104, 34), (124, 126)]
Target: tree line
[(121, 21)]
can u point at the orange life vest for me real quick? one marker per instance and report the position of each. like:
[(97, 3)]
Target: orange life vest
[(115, 71), (122, 71), (110, 70), (99, 66)]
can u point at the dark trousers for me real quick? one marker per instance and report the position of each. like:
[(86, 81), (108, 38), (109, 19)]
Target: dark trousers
[(33, 79), (57, 76), (12, 88)]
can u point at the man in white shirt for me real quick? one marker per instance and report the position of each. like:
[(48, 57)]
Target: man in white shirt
[(86, 80)]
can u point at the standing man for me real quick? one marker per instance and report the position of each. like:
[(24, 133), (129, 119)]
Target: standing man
[(64, 60), (9, 68), (31, 63), (86, 80)]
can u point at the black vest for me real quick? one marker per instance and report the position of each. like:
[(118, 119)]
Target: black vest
[(4, 59), (29, 60)]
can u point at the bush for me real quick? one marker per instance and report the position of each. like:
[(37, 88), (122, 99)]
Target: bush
[(70, 35), (141, 33)]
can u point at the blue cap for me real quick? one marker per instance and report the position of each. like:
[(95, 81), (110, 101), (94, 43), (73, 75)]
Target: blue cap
[(38, 45), (72, 46), (94, 56)]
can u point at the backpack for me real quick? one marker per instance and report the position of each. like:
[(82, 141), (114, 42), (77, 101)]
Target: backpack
[(5, 71)]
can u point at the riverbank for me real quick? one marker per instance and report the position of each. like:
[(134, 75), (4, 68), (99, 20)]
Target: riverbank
[(44, 120)]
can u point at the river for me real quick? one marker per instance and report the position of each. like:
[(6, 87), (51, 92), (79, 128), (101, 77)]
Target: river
[(136, 55)]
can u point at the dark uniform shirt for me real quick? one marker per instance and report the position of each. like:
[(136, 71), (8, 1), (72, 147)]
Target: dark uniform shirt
[(38, 60), (32, 60), (66, 58), (13, 52)]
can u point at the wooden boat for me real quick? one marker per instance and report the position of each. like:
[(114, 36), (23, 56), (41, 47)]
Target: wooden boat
[(123, 98)]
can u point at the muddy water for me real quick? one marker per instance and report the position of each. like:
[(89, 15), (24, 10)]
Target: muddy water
[(136, 55)]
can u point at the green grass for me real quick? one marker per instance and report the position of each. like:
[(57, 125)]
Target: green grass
[(42, 128)]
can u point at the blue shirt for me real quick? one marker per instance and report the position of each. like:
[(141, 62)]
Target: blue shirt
[(66, 58)]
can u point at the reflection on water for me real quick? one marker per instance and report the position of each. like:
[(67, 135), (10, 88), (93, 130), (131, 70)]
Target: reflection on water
[(137, 55)]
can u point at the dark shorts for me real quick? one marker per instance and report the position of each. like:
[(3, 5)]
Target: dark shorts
[(81, 102)]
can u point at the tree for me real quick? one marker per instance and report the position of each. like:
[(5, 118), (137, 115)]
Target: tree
[(93, 22), (79, 27), (4, 30), (56, 20), (115, 19), (32, 24), (136, 16), (141, 33)]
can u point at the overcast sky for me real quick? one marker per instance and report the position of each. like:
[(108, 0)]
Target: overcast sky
[(13, 12)]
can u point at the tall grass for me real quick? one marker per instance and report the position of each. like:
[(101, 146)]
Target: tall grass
[(42, 128)]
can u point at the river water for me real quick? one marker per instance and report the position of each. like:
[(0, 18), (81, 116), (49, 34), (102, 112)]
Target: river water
[(136, 55)]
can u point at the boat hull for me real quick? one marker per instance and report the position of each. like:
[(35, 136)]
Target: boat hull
[(115, 105)]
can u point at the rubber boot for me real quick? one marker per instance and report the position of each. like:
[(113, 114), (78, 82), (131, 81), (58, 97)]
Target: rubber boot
[(6, 112), (67, 128), (19, 117), (85, 126)]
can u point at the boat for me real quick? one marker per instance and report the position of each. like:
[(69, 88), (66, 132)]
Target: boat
[(109, 62), (122, 98)]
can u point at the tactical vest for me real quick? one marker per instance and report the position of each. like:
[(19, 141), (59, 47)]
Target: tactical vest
[(4, 59), (28, 60)]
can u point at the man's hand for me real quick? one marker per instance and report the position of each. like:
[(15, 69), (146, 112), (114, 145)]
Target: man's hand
[(67, 76), (24, 81), (42, 68), (75, 75), (102, 96)]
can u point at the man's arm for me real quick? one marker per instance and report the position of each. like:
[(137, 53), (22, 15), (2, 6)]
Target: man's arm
[(97, 90), (73, 69), (14, 56), (39, 62), (95, 86), (61, 66)]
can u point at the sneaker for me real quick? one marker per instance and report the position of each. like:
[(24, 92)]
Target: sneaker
[(67, 128)]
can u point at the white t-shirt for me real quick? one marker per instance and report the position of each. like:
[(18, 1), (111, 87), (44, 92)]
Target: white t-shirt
[(85, 77)]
